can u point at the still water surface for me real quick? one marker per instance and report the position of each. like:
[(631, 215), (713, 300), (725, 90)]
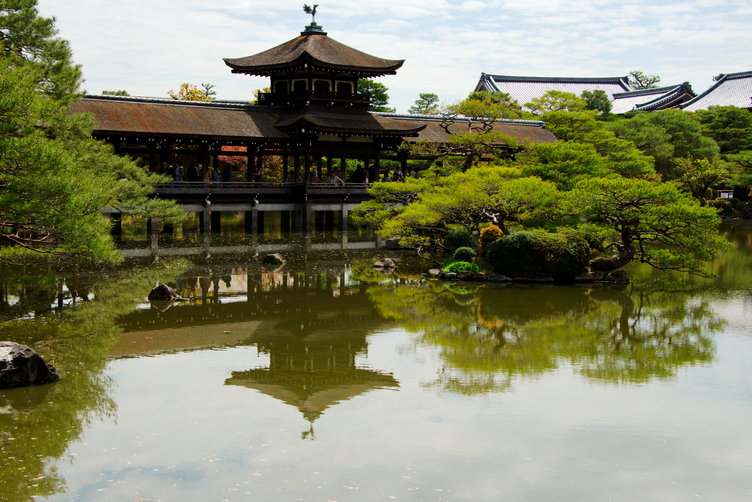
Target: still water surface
[(324, 379)]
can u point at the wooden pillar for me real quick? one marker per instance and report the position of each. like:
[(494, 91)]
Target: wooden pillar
[(251, 221), (152, 225), (216, 221), (329, 164), (307, 224), (296, 168), (260, 162), (343, 215), (206, 221), (377, 164), (250, 162), (307, 164), (319, 163)]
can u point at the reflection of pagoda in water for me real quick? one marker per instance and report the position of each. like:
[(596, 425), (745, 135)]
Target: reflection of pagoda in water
[(313, 369)]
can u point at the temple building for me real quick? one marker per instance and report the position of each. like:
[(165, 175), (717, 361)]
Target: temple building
[(312, 121), (732, 89), (623, 98)]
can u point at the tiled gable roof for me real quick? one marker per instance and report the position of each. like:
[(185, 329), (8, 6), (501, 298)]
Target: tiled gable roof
[(651, 99), (733, 89), (524, 89)]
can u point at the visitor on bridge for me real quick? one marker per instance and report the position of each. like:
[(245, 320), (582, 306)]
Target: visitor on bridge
[(334, 178), (227, 175), (215, 175), (359, 176), (313, 178), (179, 172)]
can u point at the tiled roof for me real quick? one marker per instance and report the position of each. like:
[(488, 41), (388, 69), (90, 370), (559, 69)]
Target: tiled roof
[(161, 117), (234, 121), (352, 121), (434, 132), (733, 89), (652, 99), (524, 89), (316, 49)]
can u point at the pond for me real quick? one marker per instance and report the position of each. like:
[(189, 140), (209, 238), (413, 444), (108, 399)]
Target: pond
[(325, 379)]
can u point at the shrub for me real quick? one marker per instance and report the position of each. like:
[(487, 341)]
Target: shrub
[(540, 254), (457, 239), (462, 266), (487, 236), (464, 254), (724, 205), (741, 205)]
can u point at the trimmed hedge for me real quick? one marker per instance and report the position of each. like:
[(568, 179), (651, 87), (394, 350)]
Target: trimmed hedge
[(462, 266), (540, 254), (464, 254), (457, 239)]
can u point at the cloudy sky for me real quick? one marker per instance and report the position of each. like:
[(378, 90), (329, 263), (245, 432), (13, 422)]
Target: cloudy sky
[(149, 47)]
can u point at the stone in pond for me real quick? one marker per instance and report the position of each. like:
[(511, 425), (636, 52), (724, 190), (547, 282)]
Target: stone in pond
[(20, 366), (163, 292)]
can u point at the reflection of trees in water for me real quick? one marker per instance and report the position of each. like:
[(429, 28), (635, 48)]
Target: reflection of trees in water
[(489, 337), (37, 424)]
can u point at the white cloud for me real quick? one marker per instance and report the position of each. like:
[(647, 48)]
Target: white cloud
[(150, 47)]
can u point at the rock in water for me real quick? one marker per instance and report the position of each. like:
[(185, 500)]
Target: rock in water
[(163, 292), (20, 365), (273, 259)]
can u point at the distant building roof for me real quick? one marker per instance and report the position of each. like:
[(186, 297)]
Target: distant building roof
[(658, 98), (317, 49), (524, 89), (732, 89)]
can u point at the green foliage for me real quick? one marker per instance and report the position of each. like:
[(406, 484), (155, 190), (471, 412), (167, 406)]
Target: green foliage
[(462, 266), (464, 254), (653, 223), (115, 93), (470, 199), (539, 254), (563, 163), (724, 205), (698, 175), (639, 80), (597, 100), (457, 239), (488, 235), (55, 179), (557, 101), (729, 126), (666, 135), (619, 155), (377, 92), (427, 104)]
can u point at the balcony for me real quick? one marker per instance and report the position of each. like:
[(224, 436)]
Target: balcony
[(305, 98)]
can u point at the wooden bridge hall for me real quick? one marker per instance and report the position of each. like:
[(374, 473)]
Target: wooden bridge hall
[(312, 116)]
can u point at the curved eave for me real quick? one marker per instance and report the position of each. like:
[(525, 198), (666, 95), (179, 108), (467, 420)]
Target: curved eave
[(268, 70)]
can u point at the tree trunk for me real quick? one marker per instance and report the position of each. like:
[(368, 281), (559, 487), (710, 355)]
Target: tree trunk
[(623, 257)]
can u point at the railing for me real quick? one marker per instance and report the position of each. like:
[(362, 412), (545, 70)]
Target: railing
[(188, 187), (283, 98)]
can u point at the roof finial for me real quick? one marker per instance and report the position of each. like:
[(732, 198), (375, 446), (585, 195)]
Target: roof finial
[(312, 11), (313, 27)]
